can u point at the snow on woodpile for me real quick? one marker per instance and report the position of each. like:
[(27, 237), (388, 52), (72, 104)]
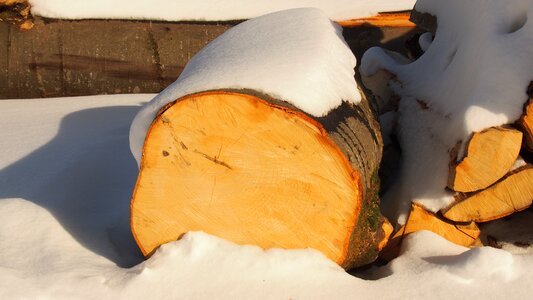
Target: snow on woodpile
[(297, 55), (473, 75), (207, 10)]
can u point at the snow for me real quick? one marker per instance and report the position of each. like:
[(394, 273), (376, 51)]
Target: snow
[(206, 10), (66, 178), (473, 75), (297, 55)]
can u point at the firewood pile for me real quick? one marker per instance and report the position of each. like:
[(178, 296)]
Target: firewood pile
[(490, 174)]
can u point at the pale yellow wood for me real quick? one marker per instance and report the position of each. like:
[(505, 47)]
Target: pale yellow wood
[(235, 166), (490, 154), (513, 193)]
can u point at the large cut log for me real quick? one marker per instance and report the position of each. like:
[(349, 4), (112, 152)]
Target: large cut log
[(252, 168), (255, 170), (511, 194), (490, 154)]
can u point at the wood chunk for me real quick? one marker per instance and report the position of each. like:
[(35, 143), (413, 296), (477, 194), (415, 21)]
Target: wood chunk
[(393, 19), (490, 154), (258, 171), (511, 194), (420, 219)]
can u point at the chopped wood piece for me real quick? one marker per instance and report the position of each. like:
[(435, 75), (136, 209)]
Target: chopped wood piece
[(526, 122), (256, 171), (511, 194), (420, 219), (490, 154), (395, 19)]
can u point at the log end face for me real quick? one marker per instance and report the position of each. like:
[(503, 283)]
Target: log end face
[(213, 161)]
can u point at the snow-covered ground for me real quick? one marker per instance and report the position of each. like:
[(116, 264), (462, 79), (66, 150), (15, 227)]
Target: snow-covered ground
[(66, 176), (207, 10)]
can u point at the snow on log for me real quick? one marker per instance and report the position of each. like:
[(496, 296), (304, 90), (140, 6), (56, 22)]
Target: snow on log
[(490, 154), (511, 194), (257, 159), (208, 10)]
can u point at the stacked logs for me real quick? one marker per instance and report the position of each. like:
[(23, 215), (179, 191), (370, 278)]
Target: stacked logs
[(490, 182)]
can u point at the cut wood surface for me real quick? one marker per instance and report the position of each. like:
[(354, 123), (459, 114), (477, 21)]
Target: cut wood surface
[(258, 171), (393, 19), (421, 219), (490, 154), (511, 194)]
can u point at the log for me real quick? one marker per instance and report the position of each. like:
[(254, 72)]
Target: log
[(420, 219), (392, 19), (490, 154), (256, 170), (512, 193)]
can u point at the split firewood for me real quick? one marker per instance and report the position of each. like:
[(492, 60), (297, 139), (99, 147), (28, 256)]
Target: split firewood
[(256, 170), (393, 19), (420, 219), (526, 121), (490, 154), (511, 194)]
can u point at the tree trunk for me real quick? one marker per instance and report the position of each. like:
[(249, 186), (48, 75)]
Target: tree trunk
[(255, 170)]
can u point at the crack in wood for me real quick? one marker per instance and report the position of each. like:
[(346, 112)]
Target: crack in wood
[(213, 159)]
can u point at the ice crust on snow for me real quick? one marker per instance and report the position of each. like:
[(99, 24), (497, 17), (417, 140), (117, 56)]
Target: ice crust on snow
[(473, 75), (65, 187), (297, 55), (207, 10)]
